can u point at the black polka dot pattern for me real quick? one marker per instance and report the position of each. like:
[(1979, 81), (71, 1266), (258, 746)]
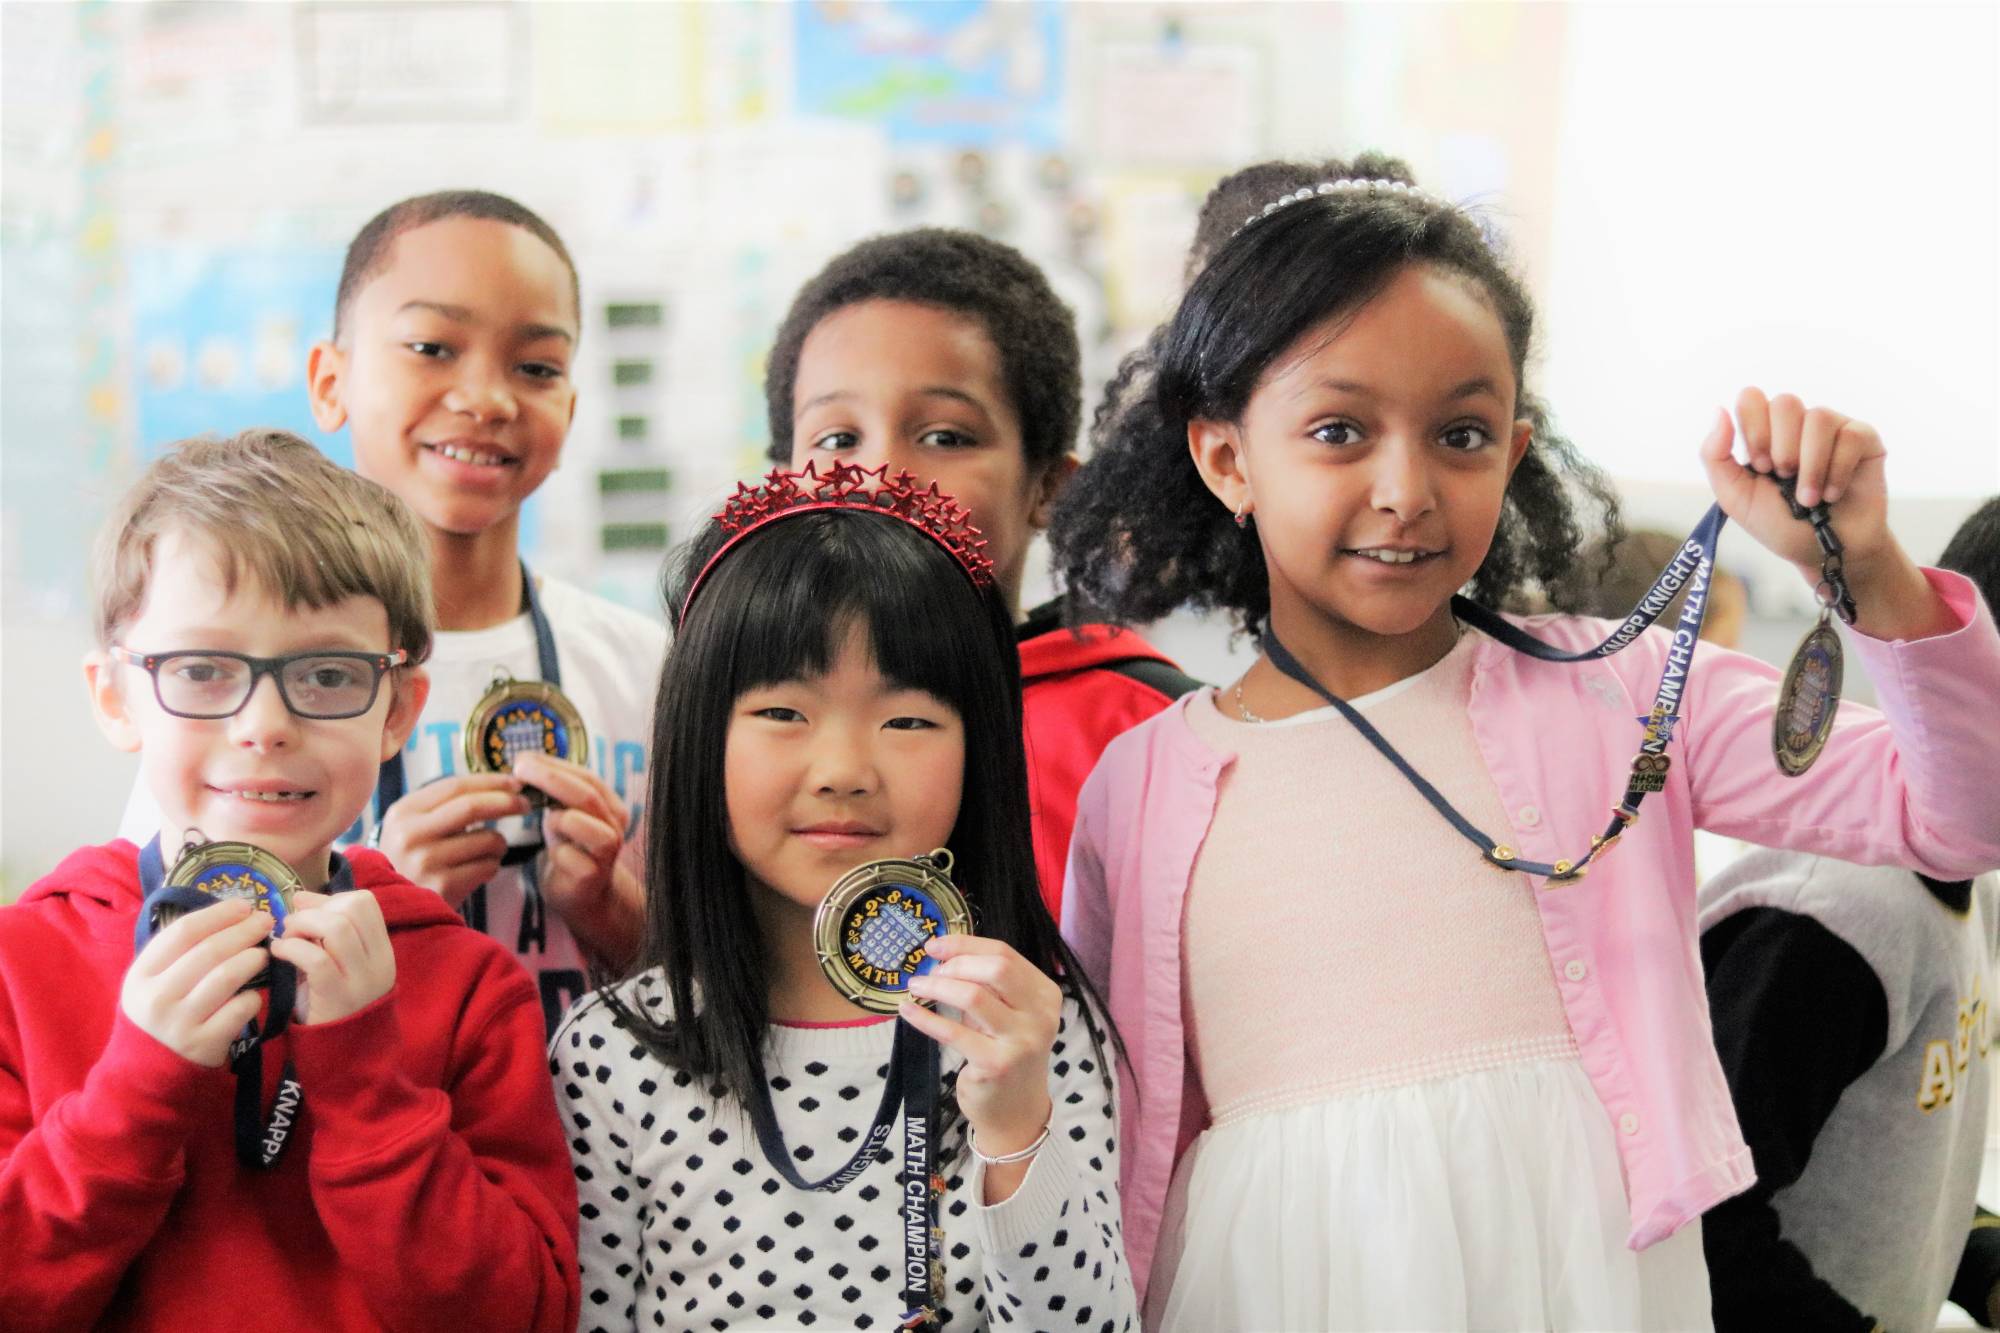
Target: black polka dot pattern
[(716, 1240)]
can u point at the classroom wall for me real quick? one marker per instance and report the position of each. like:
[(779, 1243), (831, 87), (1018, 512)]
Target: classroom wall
[(1802, 198)]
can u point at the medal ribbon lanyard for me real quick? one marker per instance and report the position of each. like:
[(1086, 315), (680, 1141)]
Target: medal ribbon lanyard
[(257, 1146), (390, 782), (1694, 563), (912, 1086)]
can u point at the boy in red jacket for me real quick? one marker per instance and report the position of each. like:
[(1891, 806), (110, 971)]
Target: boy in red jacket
[(176, 1149)]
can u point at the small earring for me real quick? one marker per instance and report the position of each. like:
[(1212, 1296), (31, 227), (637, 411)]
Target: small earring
[(1243, 515)]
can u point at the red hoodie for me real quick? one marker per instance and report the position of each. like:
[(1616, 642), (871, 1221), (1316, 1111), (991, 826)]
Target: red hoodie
[(427, 1184), (1077, 694)]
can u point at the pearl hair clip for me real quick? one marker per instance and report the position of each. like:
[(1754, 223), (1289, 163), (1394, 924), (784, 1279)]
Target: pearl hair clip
[(1394, 189)]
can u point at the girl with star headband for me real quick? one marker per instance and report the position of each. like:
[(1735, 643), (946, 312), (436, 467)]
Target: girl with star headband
[(1408, 986), (843, 842)]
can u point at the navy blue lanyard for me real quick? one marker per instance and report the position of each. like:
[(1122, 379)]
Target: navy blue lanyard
[(912, 1086), (390, 782), (1691, 567), (258, 1145)]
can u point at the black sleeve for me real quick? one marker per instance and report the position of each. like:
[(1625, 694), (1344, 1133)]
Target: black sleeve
[(1798, 1016), (1978, 1267)]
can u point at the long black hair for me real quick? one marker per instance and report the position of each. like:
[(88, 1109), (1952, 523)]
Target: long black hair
[(1137, 534), (775, 608)]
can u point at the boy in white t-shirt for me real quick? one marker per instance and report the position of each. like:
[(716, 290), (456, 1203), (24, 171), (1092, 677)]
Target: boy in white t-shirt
[(455, 327)]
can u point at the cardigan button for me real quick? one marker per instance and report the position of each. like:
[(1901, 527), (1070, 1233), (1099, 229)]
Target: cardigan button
[(1628, 1123), (1528, 815), (1576, 969)]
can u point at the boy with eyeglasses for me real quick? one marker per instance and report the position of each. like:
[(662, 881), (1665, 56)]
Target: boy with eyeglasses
[(332, 1113)]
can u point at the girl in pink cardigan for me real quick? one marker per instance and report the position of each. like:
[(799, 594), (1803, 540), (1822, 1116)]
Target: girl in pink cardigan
[(1398, 1063)]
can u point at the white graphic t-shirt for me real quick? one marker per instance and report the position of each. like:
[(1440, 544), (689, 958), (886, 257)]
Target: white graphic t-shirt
[(610, 661)]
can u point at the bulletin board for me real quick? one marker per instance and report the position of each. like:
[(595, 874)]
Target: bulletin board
[(700, 160)]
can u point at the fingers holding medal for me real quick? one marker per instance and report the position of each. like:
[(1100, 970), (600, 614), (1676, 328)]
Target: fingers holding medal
[(1825, 456), (522, 717), (208, 873), (895, 937), (189, 988), (1009, 1015), (202, 959)]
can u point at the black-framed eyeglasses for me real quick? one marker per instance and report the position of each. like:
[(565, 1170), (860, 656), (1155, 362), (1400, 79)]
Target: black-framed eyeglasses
[(207, 685)]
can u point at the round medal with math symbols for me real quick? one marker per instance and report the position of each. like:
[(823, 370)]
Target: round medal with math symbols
[(872, 926), (225, 870), (523, 716), (1808, 700)]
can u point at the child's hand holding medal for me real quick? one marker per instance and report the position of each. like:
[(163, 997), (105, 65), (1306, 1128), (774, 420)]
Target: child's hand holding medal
[(189, 988), (340, 945), (440, 835), (1834, 460), (585, 830), (1009, 1012)]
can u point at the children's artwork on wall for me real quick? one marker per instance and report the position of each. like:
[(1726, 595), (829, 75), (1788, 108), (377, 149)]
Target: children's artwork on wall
[(194, 77), (362, 63)]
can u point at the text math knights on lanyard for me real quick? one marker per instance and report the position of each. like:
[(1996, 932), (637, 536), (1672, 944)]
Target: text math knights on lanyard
[(1806, 701), (513, 717), (870, 932)]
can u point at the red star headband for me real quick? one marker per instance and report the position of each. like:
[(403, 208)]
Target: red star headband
[(782, 494)]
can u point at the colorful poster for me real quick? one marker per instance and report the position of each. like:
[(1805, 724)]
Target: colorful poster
[(964, 72), (219, 342)]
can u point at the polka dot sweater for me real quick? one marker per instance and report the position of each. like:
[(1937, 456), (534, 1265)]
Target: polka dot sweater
[(686, 1226)]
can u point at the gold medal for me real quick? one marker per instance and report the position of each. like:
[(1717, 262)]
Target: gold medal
[(872, 926), (225, 870), (523, 716), (1808, 700)]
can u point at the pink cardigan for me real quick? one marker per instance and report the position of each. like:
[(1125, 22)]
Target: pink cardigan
[(1917, 785)]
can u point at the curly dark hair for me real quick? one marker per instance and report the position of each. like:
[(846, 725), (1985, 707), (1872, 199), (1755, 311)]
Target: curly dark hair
[(368, 252), (970, 275), (1137, 534)]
